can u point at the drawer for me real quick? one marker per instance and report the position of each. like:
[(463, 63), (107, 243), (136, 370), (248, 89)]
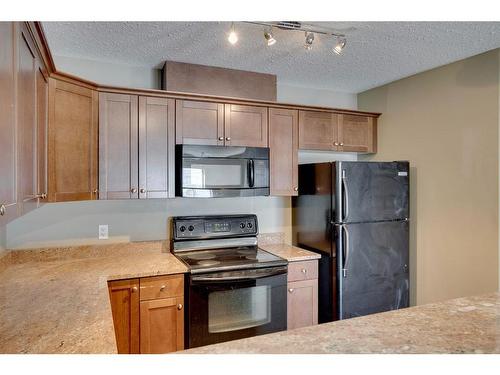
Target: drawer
[(306, 270), (161, 287)]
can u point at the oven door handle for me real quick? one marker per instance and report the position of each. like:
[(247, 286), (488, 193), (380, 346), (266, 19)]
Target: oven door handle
[(239, 276)]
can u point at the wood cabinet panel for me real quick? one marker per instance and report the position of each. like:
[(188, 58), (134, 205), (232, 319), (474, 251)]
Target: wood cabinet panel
[(124, 298), (302, 303), (305, 270), (357, 133), (245, 126), (72, 142), (26, 124), (156, 147), (162, 325), (8, 144), (42, 87), (283, 144), (162, 287), (118, 146), (199, 123), (318, 130)]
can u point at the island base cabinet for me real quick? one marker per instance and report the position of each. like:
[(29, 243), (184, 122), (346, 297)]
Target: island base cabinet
[(162, 325)]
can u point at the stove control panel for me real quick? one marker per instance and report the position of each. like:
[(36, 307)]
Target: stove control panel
[(200, 227)]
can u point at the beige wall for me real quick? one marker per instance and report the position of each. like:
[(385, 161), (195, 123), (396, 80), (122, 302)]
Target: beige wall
[(445, 122)]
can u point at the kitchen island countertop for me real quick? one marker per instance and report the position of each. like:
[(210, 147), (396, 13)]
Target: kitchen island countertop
[(463, 325)]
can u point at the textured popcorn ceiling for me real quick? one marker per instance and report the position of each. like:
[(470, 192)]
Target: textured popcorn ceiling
[(376, 53)]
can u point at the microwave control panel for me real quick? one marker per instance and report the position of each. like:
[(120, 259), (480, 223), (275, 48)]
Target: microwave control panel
[(214, 226)]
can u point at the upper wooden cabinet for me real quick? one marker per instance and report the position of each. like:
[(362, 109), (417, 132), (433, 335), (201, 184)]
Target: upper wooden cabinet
[(199, 123), (72, 142), (245, 125), (124, 298), (26, 124), (337, 132), (8, 145), (283, 145), (136, 147), (206, 123), (357, 133), (118, 146)]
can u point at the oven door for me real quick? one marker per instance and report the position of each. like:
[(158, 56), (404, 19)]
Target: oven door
[(232, 305), (224, 177)]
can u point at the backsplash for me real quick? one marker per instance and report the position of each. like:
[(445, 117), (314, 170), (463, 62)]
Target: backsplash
[(76, 223)]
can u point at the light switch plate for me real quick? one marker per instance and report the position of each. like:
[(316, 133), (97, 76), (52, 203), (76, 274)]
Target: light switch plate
[(103, 231)]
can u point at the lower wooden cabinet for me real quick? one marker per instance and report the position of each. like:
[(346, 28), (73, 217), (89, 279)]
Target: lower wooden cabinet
[(148, 314), (302, 300)]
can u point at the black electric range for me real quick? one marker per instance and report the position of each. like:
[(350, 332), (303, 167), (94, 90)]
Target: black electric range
[(234, 289)]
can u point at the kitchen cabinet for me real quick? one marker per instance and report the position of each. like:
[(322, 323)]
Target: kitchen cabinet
[(136, 147), (26, 123), (162, 314), (357, 133), (221, 124), (283, 150), (124, 299), (72, 142), (199, 123), (245, 125), (337, 132), (148, 314), (8, 145), (302, 300)]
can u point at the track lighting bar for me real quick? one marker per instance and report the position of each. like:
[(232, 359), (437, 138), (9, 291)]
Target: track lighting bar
[(298, 26)]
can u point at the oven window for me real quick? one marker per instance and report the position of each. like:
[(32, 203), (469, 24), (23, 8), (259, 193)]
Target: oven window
[(214, 173), (232, 310)]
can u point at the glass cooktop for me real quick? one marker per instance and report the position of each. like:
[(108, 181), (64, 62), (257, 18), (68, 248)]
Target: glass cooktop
[(229, 259)]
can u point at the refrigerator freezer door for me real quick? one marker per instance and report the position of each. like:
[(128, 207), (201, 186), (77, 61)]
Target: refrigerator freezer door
[(373, 263), (371, 191)]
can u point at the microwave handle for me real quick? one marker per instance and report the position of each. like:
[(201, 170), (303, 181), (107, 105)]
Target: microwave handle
[(251, 173)]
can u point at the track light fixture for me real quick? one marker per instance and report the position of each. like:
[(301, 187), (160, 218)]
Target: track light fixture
[(268, 36), (309, 40), (232, 37), (339, 46)]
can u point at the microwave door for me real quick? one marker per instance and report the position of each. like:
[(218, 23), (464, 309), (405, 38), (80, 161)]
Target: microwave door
[(215, 173)]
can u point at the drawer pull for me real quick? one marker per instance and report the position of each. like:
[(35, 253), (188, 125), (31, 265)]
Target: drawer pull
[(179, 306), (303, 270), (162, 288), (290, 290)]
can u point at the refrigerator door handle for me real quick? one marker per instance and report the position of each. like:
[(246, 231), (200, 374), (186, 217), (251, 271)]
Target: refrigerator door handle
[(345, 196), (345, 251)]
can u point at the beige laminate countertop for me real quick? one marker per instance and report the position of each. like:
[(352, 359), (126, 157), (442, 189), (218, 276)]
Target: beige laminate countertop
[(463, 325), (54, 303), (290, 253)]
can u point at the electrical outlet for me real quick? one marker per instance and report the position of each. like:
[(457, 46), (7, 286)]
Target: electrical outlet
[(103, 231)]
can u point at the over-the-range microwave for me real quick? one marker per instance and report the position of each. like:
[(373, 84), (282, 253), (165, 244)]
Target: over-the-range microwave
[(221, 171)]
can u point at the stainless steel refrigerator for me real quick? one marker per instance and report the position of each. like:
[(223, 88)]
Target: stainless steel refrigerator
[(355, 214)]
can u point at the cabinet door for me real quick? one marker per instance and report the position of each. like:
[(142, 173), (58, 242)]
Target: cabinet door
[(245, 126), (199, 123), (72, 142), (318, 130), (124, 298), (26, 120), (162, 325), (8, 145), (156, 147), (357, 133), (42, 87), (302, 303), (283, 144), (118, 146)]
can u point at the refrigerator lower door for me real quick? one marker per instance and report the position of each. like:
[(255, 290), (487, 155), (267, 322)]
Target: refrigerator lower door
[(373, 260), (371, 191)]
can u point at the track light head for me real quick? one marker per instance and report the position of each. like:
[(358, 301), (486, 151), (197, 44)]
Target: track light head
[(339, 45), (232, 37), (309, 40), (268, 36)]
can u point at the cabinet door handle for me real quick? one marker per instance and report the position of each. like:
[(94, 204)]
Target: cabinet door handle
[(2, 209), (228, 138), (295, 188), (41, 196), (134, 289), (335, 143), (95, 191), (142, 190), (341, 144), (221, 138), (179, 306), (290, 290), (133, 190)]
